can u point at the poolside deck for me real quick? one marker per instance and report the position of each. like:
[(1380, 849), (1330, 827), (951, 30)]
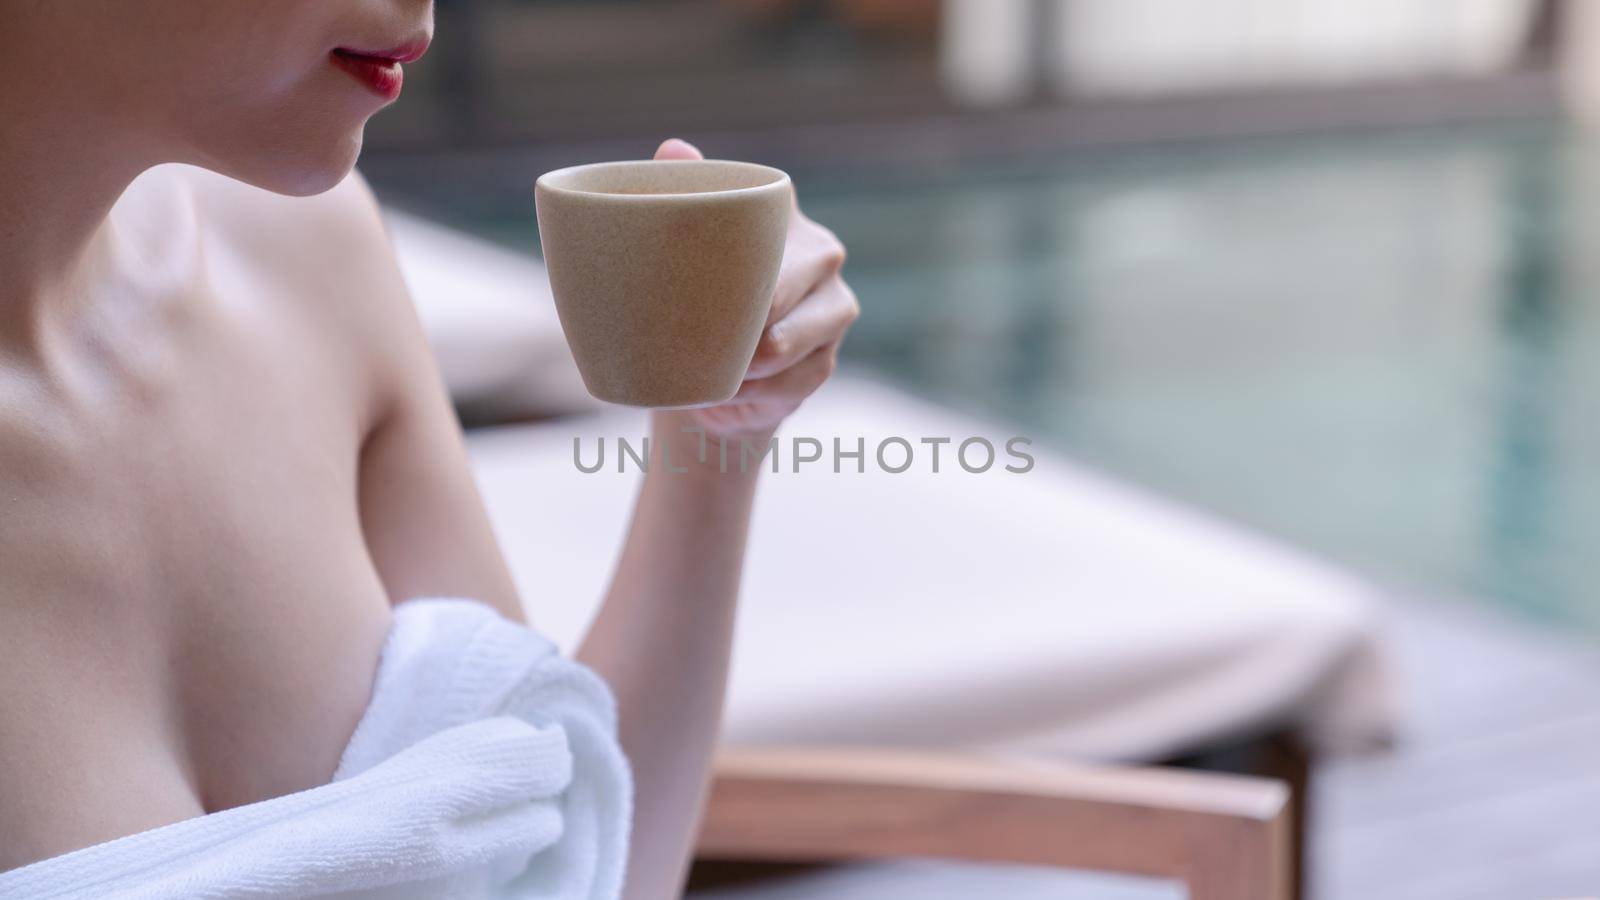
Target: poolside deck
[(1493, 792)]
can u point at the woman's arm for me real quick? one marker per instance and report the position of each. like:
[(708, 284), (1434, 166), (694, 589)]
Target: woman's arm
[(663, 637), (662, 640)]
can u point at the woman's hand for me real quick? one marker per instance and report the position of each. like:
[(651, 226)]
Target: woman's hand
[(812, 309)]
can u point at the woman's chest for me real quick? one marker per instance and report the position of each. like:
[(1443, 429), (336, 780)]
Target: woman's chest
[(167, 498), (189, 619)]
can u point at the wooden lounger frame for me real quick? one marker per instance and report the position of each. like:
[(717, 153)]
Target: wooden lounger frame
[(1227, 837)]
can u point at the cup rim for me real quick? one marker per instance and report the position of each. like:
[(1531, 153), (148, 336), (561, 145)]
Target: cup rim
[(547, 180)]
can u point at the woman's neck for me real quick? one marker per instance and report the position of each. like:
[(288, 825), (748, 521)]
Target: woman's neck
[(59, 181)]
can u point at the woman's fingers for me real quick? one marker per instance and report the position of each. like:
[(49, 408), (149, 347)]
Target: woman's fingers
[(678, 148), (813, 255), (821, 318), (793, 384)]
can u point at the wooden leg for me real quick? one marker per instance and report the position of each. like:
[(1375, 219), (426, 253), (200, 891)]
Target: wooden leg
[(1287, 759), (1280, 755)]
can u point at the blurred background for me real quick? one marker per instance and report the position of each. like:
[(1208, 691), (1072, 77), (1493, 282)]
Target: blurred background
[(1328, 269)]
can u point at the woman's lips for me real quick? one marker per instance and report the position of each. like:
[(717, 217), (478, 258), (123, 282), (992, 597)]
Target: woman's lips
[(379, 70)]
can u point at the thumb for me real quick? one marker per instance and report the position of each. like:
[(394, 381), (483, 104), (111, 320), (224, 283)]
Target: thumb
[(676, 148)]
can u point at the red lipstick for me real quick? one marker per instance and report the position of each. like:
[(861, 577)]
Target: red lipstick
[(379, 70)]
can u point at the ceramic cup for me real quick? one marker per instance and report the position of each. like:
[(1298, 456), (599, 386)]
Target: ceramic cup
[(663, 272)]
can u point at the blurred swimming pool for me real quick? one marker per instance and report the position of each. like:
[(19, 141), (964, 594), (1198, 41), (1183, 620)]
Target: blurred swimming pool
[(1385, 349)]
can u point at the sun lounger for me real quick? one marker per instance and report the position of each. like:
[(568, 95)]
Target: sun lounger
[(1048, 616)]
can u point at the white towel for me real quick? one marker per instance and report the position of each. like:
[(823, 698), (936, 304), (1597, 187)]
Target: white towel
[(486, 765)]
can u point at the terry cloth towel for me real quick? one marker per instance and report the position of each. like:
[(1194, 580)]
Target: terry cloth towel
[(486, 765)]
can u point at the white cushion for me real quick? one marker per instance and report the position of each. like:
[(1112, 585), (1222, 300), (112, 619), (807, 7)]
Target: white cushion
[(1051, 612), (491, 322)]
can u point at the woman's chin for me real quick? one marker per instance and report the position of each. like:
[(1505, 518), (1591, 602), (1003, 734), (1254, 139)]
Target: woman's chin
[(313, 167), (320, 174)]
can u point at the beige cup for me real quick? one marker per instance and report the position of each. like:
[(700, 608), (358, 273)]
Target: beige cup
[(663, 272)]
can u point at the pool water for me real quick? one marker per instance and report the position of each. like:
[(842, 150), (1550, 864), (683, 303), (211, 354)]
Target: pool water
[(1383, 348)]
